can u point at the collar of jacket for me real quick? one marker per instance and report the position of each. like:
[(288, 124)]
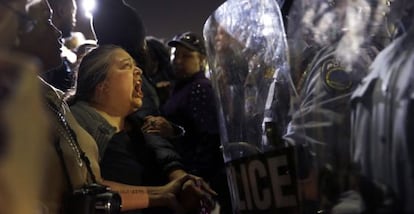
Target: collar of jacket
[(94, 124), (52, 95)]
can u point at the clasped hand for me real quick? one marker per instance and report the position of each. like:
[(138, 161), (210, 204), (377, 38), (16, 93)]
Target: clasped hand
[(157, 125), (188, 193)]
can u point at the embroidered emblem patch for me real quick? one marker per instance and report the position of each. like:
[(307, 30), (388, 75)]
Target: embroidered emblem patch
[(335, 76)]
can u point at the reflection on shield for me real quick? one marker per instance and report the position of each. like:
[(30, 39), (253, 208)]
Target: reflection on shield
[(247, 54)]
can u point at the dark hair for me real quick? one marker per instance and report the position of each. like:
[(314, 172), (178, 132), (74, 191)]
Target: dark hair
[(93, 70), (159, 53), (157, 48), (64, 24), (117, 23)]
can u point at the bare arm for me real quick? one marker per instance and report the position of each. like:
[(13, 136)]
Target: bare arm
[(139, 197), (176, 174)]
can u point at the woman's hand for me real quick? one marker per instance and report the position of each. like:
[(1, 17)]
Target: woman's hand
[(196, 194), (167, 195), (157, 125)]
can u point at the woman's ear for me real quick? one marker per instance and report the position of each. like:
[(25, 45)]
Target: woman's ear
[(104, 85), (100, 90)]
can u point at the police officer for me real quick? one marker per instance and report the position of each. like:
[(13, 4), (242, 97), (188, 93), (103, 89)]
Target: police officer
[(382, 125), (320, 123)]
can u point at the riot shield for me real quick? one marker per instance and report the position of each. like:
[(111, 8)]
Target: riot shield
[(247, 54), (332, 43)]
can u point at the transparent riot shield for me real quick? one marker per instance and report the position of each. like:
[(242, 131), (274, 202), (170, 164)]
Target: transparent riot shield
[(247, 54), (332, 44)]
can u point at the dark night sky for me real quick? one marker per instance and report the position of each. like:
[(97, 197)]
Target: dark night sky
[(165, 18)]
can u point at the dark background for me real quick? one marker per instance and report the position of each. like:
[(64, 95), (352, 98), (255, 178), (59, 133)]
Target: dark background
[(163, 18), (166, 18)]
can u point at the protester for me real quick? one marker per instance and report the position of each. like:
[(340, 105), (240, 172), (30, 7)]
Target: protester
[(109, 89), (192, 105), (159, 68)]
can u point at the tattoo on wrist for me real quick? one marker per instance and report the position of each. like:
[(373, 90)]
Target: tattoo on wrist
[(133, 191)]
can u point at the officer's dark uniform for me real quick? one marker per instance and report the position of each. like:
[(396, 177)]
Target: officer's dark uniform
[(320, 124), (322, 119), (382, 128)]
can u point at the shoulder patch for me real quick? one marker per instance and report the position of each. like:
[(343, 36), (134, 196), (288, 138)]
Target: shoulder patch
[(335, 76)]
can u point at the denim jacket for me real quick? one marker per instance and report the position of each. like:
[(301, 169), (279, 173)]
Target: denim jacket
[(102, 131)]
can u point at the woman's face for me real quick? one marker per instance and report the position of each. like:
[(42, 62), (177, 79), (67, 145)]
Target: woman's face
[(186, 62), (44, 40), (121, 89)]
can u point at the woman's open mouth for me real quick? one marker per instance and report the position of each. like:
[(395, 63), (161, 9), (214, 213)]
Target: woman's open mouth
[(138, 90)]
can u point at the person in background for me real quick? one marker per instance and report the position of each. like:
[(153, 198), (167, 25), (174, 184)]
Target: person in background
[(33, 42), (159, 68), (192, 105), (81, 50), (112, 17), (64, 15), (71, 143), (76, 38), (231, 75), (64, 18)]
